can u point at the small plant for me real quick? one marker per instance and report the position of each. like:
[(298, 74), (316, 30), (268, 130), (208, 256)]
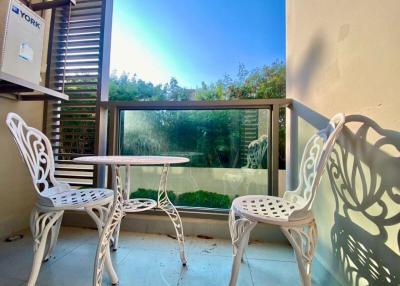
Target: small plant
[(151, 194), (206, 199)]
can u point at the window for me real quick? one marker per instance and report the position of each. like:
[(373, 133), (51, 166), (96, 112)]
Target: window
[(198, 50)]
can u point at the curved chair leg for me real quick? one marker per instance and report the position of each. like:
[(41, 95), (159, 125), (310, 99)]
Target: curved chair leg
[(55, 230), (240, 232), (246, 238), (303, 240), (41, 223), (165, 204), (115, 238)]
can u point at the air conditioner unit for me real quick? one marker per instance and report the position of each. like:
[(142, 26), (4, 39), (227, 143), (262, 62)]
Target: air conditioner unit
[(21, 41)]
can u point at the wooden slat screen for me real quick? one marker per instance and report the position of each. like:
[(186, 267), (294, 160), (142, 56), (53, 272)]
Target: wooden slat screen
[(74, 65)]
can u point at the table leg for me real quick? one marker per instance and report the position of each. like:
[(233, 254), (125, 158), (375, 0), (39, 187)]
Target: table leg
[(114, 218), (165, 204), (127, 188), (125, 198)]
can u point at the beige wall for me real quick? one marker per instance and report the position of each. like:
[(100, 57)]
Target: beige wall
[(344, 56), (16, 189)]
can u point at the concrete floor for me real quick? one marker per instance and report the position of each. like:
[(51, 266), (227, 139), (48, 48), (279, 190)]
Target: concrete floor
[(148, 259)]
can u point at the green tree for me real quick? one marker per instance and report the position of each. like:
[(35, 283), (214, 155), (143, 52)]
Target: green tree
[(264, 82), (198, 129)]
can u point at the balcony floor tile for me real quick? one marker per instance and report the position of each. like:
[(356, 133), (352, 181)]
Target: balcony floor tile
[(212, 270), (272, 273), (4, 281), (212, 247), (148, 259), (146, 268), (270, 251)]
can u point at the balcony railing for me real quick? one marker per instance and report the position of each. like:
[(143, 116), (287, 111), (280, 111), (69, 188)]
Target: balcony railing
[(217, 137)]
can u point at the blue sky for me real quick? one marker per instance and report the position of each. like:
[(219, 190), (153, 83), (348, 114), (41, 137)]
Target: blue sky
[(195, 40)]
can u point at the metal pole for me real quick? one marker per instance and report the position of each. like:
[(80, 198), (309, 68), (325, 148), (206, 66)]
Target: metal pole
[(275, 150)]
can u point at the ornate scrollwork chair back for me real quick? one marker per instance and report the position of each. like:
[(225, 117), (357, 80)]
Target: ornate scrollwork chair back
[(312, 167), (256, 151), (35, 150)]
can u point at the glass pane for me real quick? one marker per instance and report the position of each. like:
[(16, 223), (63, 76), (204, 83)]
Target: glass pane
[(227, 151)]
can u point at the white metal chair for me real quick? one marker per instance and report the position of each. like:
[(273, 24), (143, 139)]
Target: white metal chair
[(256, 151), (292, 212), (54, 197)]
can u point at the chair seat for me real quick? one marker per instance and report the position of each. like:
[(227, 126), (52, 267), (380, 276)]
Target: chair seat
[(267, 209), (75, 198)]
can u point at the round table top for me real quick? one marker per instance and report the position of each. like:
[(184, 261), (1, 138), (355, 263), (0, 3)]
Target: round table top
[(131, 160)]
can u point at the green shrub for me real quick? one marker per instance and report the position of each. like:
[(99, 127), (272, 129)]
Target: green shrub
[(199, 198), (151, 194), (202, 198)]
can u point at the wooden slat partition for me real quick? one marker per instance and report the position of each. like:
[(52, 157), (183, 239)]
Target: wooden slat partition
[(74, 66)]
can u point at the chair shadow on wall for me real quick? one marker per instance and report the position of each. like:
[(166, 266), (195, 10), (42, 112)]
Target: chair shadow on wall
[(364, 175)]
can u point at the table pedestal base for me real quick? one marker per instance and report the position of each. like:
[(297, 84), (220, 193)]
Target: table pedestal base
[(163, 203), (138, 205)]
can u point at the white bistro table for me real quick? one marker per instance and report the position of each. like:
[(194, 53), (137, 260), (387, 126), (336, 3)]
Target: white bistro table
[(122, 204)]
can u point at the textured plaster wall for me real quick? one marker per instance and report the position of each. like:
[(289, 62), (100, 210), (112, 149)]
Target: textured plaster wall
[(16, 189), (343, 56)]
